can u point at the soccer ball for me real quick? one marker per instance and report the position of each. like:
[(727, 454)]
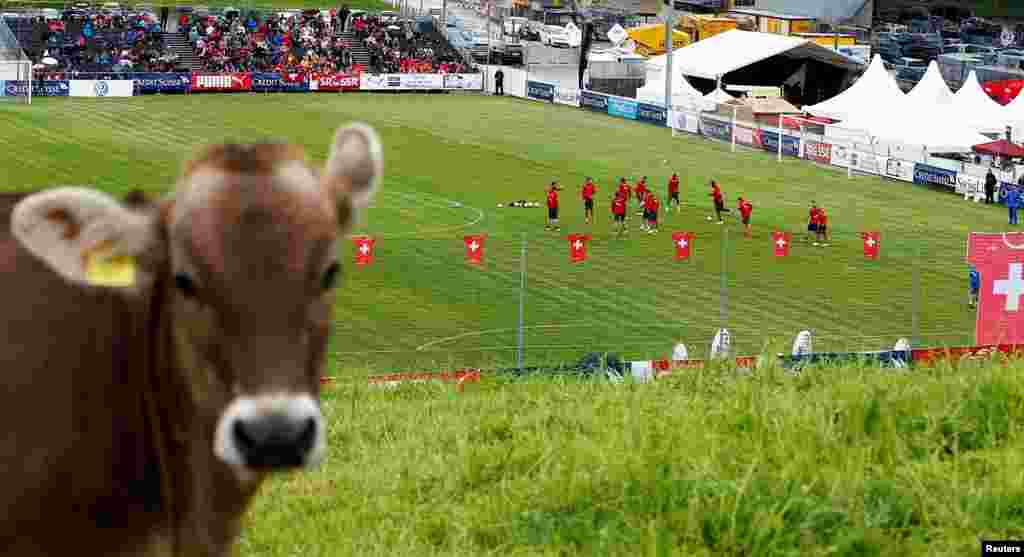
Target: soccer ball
[(500, 205), (709, 217), (665, 162)]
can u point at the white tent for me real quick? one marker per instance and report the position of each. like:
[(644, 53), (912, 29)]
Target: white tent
[(719, 96), (932, 90), (727, 52), (911, 125), (682, 92), (977, 109), (875, 87)]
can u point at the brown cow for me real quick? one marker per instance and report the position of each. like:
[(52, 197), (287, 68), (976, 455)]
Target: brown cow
[(160, 359)]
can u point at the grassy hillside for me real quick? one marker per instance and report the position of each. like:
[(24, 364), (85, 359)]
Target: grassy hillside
[(451, 159), (841, 461)]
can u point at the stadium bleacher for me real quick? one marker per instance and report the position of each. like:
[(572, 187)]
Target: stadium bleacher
[(307, 42)]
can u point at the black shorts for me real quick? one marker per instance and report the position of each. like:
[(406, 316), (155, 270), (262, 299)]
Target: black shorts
[(620, 218), (822, 228), (674, 195), (588, 204), (552, 213), (647, 215), (719, 206), (745, 220)]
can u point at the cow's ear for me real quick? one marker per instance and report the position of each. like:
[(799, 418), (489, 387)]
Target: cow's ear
[(86, 236), (354, 168)]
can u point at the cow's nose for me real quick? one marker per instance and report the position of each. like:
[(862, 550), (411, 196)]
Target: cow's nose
[(274, 441)]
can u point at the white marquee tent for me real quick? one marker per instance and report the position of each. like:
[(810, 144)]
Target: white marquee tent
[(931, 92), (980, 111), (683, 94), (733, 50), (719, 96), (876, 86)]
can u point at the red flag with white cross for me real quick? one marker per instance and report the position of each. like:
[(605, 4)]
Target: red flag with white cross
[(578, 247), (780, 243), (999, 260), (872, 242), (684, 243), (474, 249), (364, 249)]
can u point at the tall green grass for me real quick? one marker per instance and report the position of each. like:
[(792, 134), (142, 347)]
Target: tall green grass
[(838, 461)]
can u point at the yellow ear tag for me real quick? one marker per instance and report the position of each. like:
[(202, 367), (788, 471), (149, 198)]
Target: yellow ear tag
[(103, 270)]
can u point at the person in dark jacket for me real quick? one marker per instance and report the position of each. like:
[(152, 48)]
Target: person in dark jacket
[(499, 82), (990, 187)]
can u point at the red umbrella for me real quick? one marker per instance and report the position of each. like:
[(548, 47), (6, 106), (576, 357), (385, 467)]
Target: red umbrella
[(1002, 148)]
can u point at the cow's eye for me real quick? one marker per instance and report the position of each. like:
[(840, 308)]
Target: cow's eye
[(330, 277), (185, 285)]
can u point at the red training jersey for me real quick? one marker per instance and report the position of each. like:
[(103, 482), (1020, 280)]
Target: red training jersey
[(651, 203), (745, 208), (619, 205), (624, 189), (588, 191), (716, 193), (813, 216), (641, 190), (673, 185), (822, 218), (552, 199)]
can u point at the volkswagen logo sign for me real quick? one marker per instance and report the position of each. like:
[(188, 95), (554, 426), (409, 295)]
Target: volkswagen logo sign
[(102, 88)]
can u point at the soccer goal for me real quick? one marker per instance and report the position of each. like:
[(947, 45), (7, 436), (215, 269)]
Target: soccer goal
[(15, 68)]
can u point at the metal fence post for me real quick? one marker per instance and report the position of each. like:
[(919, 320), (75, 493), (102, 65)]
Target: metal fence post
[(522, 304), (723, 293)]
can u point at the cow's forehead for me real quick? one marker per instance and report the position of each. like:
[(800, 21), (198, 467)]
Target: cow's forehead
[(266, 195)]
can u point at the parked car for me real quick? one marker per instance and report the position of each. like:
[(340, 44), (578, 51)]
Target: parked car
[(986, 53), (556, 36), (922, 51), (890, 51)]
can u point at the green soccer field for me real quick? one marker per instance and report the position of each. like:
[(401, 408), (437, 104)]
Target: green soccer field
[(451, 159)]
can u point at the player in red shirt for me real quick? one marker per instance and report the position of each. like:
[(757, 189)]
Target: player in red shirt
[(745, 208), (624, 188), (823, 232), (673, 191), (719, 199), (641, 189), (619, 212), (812, 222), (553, 207), (651, 206), (589, 189)]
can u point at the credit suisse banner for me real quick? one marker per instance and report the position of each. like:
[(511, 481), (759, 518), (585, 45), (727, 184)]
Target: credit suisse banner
[(467, 81), (652, 114), (567, 96), (378, 82), (149, 83), (540, 91), (49, 88), (899, 169), (101, 88), (926, 174), (594, 101), (623, 108), (274, 83), (336, 82), (221, 82)]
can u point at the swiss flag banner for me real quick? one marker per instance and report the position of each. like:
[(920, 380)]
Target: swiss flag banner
[(999, 260), (780, 242), (871, 244), (474, 249), (364, 249), (683, 242), (578, 247)]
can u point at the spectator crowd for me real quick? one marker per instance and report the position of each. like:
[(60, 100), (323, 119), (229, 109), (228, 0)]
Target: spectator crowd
[(306, 43), (93, 41), (397, 47)]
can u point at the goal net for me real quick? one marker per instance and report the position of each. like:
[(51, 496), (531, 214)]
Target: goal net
[(15, 68)]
